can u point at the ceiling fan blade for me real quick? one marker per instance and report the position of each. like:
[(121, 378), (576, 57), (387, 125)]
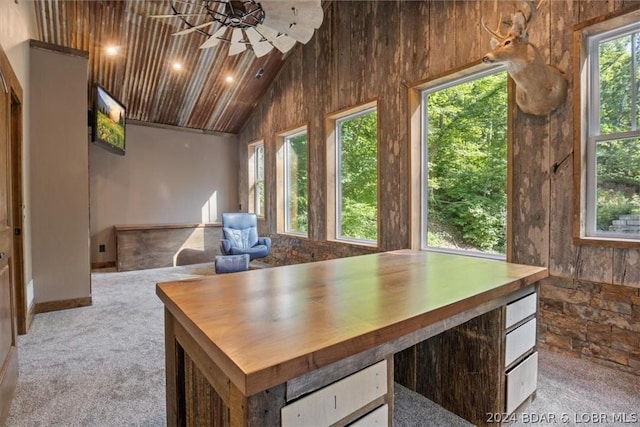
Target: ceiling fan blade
[(303, 13), (283, 43), (192, 29), (215, 39), (308, 4), (260, 47), (266, 32), (237, 45), (298, 32)]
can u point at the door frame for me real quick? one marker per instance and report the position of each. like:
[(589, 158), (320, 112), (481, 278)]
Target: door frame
[(24, 314), (11, 86)]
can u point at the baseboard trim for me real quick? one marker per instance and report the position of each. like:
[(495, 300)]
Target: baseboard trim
[(64, 304), (31, 311), (106, 264)]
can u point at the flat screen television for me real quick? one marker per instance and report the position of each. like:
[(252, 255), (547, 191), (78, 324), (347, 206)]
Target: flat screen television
[(108, 126)]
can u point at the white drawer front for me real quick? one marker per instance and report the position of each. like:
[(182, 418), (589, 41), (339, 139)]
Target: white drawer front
[(521, 309), (334, 402), (521, 382), (519, 341), (379, 417)]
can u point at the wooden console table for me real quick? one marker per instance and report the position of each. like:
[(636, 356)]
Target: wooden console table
[(322, 343)]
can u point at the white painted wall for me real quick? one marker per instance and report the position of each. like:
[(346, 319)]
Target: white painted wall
[(59, 176), (166, 176)]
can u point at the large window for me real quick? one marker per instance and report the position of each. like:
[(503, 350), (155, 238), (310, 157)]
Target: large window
[(356, 157), (256, 178), (611, 134), (464, 146), (295, 175)]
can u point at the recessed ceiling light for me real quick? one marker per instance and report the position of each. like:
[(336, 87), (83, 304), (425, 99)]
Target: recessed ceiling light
[(177, 66), (112, 50), (229, 79)]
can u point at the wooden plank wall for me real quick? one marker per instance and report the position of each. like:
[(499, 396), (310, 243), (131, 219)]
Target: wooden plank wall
[(376, 50)]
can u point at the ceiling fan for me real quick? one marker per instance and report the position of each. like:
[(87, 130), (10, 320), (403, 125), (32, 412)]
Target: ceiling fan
[(262, 25)]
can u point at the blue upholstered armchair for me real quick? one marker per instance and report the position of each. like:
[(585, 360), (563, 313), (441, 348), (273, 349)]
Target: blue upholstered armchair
[(240, 231)]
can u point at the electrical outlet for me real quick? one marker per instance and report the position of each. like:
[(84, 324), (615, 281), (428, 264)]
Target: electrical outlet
[(102, 248)]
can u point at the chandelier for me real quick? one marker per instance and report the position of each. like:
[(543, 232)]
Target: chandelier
[(241, 23)]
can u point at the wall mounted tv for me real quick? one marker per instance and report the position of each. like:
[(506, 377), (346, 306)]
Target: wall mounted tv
[(108, 126)]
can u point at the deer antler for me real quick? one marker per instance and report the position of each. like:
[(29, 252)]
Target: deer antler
[(495, 33), (532, 10)]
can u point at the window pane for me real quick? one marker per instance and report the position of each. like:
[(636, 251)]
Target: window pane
[(618, 186), (260, 198), (358, 180), (616, 97), (259, 180), (636, 44), (467, 165), (296, 183)]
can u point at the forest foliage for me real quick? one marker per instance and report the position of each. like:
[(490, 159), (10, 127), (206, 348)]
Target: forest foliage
[(467, 165), (618, 158), (358, 177)]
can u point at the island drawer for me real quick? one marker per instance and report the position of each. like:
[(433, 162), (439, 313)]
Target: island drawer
[(335, 401), (521, 309), (378, 417), (519, 341), (521, 382)]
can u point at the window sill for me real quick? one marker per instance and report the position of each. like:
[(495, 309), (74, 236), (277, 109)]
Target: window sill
[(296, 235), (606, 242), (496, 257), (360, 243)]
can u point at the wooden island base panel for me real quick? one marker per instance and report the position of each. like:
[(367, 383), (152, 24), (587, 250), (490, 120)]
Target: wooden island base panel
[(321, 344)]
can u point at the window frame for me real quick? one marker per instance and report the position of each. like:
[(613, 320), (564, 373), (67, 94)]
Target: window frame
[(282, 184), (587, 39), (419, 155), (334, 190), (253, 178)]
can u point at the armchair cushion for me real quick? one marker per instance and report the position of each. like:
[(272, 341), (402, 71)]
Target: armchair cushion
[(257, 251), (241, 238)]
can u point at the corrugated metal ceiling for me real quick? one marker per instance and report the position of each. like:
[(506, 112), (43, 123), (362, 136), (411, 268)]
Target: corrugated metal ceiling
[(141, 75)]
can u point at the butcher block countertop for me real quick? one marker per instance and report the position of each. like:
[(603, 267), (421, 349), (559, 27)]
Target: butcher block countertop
[(264, 327)]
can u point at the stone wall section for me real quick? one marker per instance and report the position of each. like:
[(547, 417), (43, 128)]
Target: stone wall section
[(596, 321)]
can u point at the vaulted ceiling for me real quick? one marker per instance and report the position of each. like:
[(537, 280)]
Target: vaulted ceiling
[(141, 75)]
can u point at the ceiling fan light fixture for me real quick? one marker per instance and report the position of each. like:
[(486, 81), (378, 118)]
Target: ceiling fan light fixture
[(112, 50)]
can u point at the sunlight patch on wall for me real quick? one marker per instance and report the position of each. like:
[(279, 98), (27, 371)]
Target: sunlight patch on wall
[(210, 209)]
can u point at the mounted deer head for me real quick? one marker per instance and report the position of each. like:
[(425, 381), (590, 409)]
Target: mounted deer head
[(540, 88)]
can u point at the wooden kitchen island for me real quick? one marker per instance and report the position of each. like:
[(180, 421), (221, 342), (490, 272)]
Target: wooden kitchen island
[(322, 343)]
